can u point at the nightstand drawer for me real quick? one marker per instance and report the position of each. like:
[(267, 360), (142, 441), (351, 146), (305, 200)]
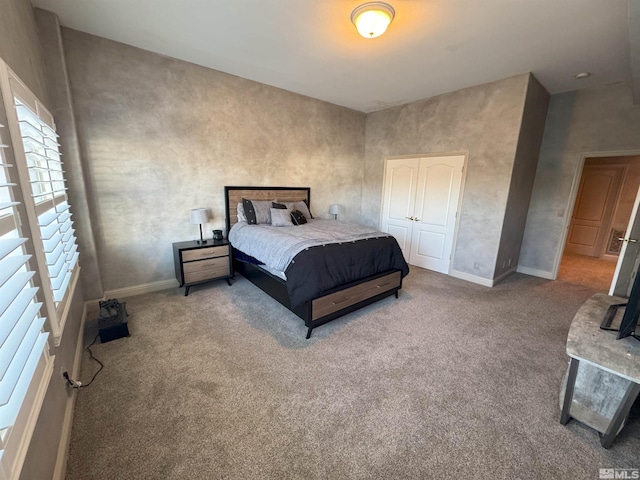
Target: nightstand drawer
[(208, 252), (206, 264), (208, 273)]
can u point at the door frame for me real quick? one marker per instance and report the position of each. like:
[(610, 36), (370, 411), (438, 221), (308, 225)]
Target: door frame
[(575, 185), (453, 153)]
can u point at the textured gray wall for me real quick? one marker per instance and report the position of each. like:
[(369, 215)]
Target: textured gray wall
[(19, 47), (523, 176), (62, 109), (584, 121), (40, 462), (483, 120), (161, 136)]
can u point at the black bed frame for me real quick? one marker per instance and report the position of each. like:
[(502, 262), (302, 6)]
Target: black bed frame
[(276, 287)]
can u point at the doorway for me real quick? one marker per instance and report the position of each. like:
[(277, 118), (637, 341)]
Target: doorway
[(604, 201)]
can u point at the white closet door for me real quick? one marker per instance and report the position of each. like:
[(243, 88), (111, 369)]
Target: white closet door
[(436, 204), (400, 184)]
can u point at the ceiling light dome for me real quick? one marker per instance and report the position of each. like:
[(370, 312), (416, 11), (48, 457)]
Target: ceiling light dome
[(372, 18)]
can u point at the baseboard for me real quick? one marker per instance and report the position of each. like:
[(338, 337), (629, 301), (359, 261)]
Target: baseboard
[(134, 290), (504, 275), (535, 272), (487, 282), (60, 470)]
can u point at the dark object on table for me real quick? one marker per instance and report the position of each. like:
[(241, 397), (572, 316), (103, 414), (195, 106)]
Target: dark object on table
[(217, 234), (112, 322)]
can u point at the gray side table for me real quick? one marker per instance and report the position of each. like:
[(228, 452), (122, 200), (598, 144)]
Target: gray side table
[(603, 378)]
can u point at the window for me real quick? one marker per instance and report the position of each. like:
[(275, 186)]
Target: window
[(50, 198), (38, 265), (40, 170), (25, 365)]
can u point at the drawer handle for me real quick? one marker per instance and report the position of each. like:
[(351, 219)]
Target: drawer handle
[(340, 301), (383, 285)]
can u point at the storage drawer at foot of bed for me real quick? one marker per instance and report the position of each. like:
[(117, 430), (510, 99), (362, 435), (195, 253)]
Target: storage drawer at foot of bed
[(337, 301), (208, 273)]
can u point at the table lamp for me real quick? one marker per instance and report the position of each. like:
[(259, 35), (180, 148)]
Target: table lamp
[(334, 210), (199, 216)]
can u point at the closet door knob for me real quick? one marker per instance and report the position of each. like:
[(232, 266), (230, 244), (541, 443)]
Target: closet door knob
[(417, 219), (409, 218)]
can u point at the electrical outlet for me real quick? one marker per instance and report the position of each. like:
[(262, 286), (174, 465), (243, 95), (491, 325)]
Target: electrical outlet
[(509, 263)]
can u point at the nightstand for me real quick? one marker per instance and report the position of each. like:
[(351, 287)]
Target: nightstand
[(202, 262)]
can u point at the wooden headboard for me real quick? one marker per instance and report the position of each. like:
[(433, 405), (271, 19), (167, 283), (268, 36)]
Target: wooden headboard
[(234, 195)]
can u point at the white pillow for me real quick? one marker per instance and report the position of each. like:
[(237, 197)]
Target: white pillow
[(241, 215), (281, 217)]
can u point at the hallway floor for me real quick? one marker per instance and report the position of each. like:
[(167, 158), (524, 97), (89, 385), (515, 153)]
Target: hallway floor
[(589, 271)]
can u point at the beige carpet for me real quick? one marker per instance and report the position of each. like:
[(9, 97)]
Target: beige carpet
[(591, 272), (451, 380)]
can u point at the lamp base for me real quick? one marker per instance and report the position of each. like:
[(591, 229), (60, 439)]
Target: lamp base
[(200, 242)]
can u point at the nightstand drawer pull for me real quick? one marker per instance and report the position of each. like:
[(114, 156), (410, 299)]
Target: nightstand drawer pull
[(200, 253)]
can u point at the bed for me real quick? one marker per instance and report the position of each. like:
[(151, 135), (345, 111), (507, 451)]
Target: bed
[(324, 280)]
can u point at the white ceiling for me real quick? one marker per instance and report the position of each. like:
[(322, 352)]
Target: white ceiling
[(432, 47)]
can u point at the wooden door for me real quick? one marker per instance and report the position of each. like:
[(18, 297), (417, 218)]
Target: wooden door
[(627, 266), (436, 206), (400, 184), (595, 202)]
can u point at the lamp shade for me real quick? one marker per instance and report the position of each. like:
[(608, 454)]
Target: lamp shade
[(335, 209), (199, 216), (372, 18)]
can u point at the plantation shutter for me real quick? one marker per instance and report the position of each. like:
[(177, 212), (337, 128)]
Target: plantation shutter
[(22, 340), (48, 190)]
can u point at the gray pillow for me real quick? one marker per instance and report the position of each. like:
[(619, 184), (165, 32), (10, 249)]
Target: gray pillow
[(281, 217), (262, 208)]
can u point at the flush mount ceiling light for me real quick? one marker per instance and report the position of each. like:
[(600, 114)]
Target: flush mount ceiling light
[(372, 18), (581, 75)]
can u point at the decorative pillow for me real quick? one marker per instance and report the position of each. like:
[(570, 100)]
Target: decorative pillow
[(301, 207), (281, 217), (298, 218), (249, 211), (241, 216), (262, 208), (277, 205)]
